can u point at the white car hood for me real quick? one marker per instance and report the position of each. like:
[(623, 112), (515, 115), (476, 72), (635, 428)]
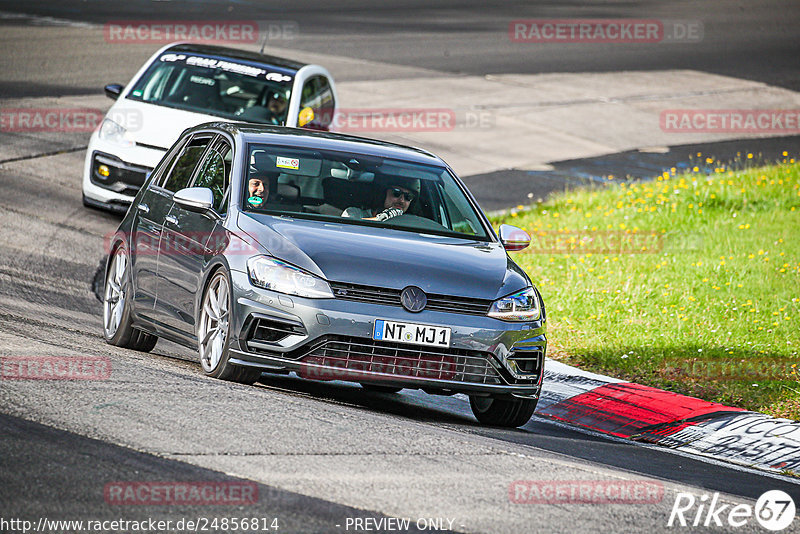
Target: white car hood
[(153, 125)]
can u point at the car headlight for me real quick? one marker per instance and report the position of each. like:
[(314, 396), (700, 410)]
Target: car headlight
[(279, 276), (521, 306), (111, 131)]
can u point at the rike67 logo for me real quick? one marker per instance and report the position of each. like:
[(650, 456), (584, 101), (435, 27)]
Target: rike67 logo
[(774, 510)]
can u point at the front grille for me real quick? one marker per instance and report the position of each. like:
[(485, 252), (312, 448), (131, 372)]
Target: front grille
[(352, 357), (391, 297)]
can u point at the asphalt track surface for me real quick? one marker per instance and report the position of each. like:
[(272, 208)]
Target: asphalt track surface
[(752, 40), (319, 452)]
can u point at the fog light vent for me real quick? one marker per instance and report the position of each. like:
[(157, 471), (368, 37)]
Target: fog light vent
[(271, 331), (526, 361)]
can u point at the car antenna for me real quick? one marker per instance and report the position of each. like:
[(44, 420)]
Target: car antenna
[(264, 43)]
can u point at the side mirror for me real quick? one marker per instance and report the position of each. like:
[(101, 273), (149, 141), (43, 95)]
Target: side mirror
[(197, 199), (113, 90), (513, 238), (305, 116)]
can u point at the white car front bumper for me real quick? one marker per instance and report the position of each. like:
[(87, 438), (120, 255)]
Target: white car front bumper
[(129, 165)]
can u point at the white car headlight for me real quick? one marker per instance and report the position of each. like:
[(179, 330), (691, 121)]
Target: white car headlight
[(279, 276), (111, 131), (521, 306)]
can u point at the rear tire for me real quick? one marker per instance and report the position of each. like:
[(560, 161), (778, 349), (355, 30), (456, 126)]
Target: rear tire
[(381, 389), (502, 412), (117, 329), (213, 329)]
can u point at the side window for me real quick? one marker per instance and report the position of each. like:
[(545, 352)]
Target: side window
[(181, 173), (161, 170), (462, 217), (214, 173), (318, 96)]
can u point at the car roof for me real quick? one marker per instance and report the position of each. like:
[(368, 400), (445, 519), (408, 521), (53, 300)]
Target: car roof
[(303, 138), (235, 53)]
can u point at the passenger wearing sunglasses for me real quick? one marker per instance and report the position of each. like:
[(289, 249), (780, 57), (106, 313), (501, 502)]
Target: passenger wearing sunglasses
[(396, 199)]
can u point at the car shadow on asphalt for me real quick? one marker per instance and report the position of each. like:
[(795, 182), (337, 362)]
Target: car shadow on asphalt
[(540, 434), (451, 411), (411, 404)]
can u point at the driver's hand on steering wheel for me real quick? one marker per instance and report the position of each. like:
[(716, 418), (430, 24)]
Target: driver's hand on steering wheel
[(388, 213)]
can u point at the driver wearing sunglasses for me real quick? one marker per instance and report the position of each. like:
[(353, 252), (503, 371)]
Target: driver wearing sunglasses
[(397, 198)]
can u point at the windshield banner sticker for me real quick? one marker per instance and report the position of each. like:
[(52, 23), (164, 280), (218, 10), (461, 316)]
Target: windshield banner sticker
[(227, 66)]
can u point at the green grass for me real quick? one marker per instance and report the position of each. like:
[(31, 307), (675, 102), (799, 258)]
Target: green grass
[(689, 282)]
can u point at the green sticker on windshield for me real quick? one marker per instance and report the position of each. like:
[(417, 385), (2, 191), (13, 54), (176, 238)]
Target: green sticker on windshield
[(255, 201), (137, 93)]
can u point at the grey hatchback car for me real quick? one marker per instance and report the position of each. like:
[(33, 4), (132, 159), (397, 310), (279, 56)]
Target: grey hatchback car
[(278, 250)]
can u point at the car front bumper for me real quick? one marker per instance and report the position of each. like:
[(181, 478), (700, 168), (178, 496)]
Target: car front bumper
[(331, 339), (129, 167)]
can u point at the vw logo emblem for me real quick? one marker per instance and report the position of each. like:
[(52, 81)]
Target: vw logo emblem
[(413, 299)]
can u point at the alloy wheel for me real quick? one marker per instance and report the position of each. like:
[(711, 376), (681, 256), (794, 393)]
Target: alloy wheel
[(114, 296), (213, 328)]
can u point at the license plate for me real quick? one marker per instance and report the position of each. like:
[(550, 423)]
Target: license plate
[(416, 334)]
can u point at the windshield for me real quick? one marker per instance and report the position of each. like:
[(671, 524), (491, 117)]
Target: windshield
[(216, 86), (358, 189)]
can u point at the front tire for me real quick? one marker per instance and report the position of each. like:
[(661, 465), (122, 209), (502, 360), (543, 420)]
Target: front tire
[(117, 329), (213, 334), (502, 412)]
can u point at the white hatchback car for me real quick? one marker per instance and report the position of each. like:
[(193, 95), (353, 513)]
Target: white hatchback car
[(183, 85)]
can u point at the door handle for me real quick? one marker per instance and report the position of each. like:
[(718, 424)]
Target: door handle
[(144, 208), (172, 219)]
